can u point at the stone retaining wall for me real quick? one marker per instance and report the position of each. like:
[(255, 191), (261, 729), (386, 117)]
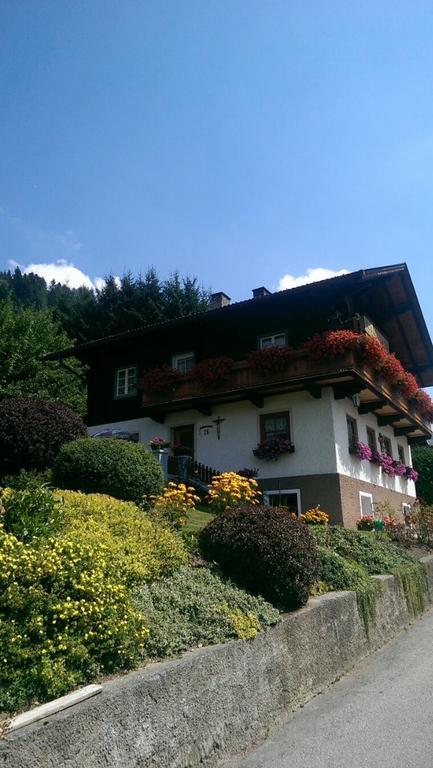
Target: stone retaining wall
[(216, 701)]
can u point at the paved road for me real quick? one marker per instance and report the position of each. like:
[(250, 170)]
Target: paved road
[(379, 716)]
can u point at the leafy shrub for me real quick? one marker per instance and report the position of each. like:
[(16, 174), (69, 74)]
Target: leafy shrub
[(64, 617), (422, 459), (32, 431), (115, 467), (28, 478), (32, 513), (139, 550), (423, 522), (266, 551), (231, 490), (174, 504), (378, 557), (196, 606), (339, 573), (365, 523)]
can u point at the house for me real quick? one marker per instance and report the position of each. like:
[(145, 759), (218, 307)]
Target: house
[(335, 409)]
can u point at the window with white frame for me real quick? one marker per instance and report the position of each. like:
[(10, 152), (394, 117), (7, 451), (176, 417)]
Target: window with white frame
[(125, 382), (290, 498), (273, 340), (183, 363), (366, 503)]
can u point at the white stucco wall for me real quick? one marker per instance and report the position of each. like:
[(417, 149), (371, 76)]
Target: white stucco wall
[(319, 433), (348, 464)]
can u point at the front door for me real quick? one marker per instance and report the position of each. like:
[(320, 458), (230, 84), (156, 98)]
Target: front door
[(183, 440)]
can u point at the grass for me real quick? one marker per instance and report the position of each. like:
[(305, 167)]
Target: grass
[(197, 519)]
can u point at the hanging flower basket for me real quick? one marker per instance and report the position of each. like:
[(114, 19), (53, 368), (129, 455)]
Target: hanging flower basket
[(160, 379), (271, 359), (213, 372)]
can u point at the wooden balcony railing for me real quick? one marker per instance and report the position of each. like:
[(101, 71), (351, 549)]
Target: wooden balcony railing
[(302, 372)]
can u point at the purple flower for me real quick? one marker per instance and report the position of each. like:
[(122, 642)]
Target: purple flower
[(399, 469), (363, 451), (411, 474)]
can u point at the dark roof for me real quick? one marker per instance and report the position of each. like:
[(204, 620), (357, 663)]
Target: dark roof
[(392, 295)]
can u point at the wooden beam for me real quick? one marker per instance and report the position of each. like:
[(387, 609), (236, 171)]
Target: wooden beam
[(417, 440), (315, 390), (371, 406), (389, 418), (346, 389), (204, 408), (52, 707), (401, 431), (256, 399)]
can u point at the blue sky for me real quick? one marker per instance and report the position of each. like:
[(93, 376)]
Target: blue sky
[(237, 140)]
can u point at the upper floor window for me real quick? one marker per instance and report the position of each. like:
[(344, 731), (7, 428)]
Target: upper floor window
[(385, 444), (371, 439), (273, 425), (401, 456), (273, 340), (352, 433), (184, 362), (125, 382)]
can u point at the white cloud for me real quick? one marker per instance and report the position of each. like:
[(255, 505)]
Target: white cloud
[(311, 276), (64, 272)]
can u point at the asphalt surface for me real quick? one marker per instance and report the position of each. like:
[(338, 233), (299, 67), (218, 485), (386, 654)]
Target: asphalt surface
[(378, 716)]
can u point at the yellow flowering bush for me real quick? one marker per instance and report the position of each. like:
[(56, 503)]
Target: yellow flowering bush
[(173, 505), (315, 516), (139, 549), (64, 617), (230, 490)]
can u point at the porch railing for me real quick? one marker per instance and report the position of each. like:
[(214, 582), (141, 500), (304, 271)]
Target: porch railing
[(188, 470)]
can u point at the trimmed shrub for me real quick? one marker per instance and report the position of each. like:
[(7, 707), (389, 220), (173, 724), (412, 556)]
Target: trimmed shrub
[(32, 431), (339, 573), (139, 550), (266, 551), (64, 617), (196, 606), (116, 467), (31, 513), (378, 557)]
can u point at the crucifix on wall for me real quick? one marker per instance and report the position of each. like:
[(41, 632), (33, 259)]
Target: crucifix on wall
[(218, 423)]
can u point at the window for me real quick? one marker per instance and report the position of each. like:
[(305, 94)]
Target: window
[(274, 425), (407, 509), (183, 363), (385, 444), (352, 433), (371, 439), (284, 498), (366, 503), (401, 456), (125, 383), (273, 340)]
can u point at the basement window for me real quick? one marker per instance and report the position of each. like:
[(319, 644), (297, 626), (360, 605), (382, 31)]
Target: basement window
[(284, 498), (366, 503)]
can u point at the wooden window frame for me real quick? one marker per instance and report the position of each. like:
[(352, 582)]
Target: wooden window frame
[(126, 394), (373, 443), (274, 414), (350, 420), (385, 444), (401, 453), (271, 335), (182, 356)]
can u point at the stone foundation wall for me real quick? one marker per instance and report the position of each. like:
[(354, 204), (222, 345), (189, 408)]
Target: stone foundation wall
[(212, 702)]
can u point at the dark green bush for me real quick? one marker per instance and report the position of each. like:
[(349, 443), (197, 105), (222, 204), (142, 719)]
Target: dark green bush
[(32, 431), (422, 459), (116, 467), (196, 606), (27, 478), (31, 513), (266, 551)]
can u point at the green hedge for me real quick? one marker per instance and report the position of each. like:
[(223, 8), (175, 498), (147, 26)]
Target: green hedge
[(116, 467)]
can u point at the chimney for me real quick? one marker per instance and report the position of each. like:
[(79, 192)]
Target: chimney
[(258, 293), (219, 300)]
